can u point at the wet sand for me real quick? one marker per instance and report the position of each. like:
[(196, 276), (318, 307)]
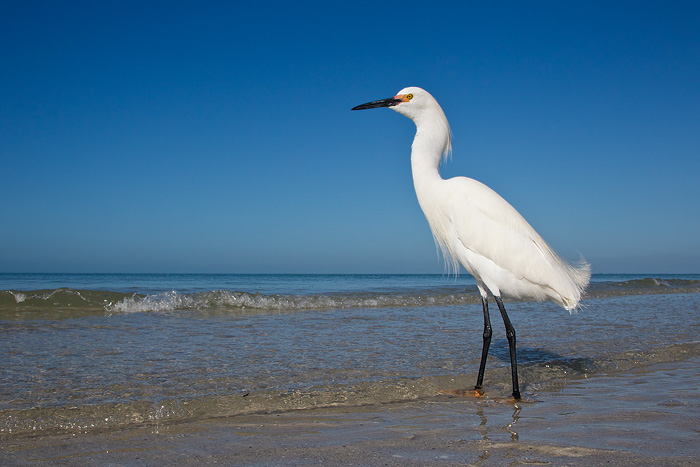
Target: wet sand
[(648, 417)]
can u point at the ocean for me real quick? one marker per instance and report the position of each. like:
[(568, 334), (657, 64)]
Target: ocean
[(98, 352)]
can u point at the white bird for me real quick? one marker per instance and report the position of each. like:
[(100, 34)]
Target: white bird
[(474, 226)]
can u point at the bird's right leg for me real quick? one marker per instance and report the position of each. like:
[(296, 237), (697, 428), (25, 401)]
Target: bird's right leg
[(510, 334), (487, 343)]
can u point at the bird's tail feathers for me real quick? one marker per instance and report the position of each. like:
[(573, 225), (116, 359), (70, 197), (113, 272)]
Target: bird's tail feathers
[(580, 275)]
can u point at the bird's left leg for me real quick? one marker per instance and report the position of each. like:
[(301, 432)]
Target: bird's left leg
[(487, 342), (510, 334)]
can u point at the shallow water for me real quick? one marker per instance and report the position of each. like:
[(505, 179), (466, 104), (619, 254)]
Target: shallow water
[(92, 352), (644, 417), (651, 410)]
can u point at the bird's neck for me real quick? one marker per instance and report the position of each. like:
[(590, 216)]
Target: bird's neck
[(431, 143)]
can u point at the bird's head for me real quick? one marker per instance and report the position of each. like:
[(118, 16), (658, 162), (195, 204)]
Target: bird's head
[(410, 102), (418, 105)]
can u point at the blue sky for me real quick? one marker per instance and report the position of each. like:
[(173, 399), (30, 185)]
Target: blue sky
[(218, 136)]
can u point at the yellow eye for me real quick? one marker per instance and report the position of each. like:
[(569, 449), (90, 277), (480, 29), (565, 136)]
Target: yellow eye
[(409, 97)]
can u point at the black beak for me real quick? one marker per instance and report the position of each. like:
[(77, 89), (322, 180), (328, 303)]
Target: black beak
[(390, 102)]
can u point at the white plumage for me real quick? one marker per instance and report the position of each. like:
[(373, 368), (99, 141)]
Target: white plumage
[(476, 227)]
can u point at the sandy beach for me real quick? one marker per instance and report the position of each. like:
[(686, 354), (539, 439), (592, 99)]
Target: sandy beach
[(646, 417)]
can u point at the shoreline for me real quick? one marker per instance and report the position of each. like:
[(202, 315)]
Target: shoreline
[(645, 416)]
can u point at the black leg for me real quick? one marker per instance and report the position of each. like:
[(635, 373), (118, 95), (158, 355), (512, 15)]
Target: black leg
[(487, 343), (510, 334)]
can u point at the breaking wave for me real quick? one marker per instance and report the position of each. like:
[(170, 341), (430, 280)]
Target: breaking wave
[(219, 300)]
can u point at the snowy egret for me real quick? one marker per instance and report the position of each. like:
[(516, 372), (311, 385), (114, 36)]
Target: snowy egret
[(476, 227)]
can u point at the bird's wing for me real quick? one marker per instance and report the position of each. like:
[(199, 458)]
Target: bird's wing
[(490, 227)]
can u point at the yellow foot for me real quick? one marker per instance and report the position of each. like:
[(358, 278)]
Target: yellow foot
[(463, 393), (478, 393)]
